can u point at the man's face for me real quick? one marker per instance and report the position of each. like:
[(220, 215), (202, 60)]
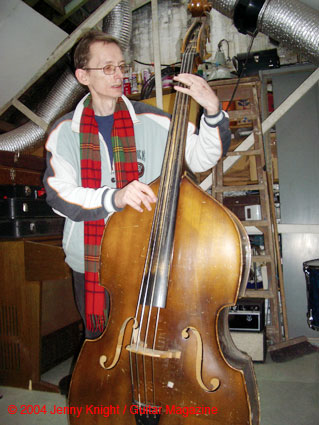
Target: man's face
[(100, 85)]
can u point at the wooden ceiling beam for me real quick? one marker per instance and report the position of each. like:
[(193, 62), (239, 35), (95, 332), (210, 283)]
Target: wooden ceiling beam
[(66, 45)]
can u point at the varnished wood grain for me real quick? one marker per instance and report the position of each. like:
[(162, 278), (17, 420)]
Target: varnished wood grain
[(205, 277)]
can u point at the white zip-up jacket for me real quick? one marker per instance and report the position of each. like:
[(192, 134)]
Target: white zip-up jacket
[(62, 179)]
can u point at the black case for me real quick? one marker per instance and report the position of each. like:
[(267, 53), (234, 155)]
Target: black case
[(12, 208), (19, 228), (21, 191), (256, 61)]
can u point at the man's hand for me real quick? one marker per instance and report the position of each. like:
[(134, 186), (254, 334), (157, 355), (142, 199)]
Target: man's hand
[(135, 194), (200, 91)]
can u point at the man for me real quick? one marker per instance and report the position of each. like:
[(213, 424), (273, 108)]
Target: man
[(102, 156)]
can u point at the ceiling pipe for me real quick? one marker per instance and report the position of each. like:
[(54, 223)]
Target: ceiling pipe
[(289, 22)]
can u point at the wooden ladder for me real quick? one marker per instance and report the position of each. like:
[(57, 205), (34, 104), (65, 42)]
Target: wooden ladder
[(249, 89)]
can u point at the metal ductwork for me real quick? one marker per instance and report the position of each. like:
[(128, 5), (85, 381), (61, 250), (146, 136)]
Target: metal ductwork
[(289, 22), (226, 7), (119, 23), (293, 24), (60, 100), (67, 91)]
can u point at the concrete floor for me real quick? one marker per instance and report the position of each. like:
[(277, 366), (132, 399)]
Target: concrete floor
[(289, 395)]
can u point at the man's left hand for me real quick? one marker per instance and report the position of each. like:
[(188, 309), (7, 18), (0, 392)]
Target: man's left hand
[(198, 88)]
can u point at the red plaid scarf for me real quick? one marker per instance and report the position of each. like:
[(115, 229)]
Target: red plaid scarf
[(126, 170)]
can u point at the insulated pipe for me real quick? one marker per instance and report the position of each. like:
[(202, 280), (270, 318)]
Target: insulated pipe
[(226, 7), (61, 98), (289, 22), (67, 91), (119, 23), (293, 24)]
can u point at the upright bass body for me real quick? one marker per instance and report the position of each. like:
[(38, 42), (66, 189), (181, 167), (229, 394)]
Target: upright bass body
[(180, 365)]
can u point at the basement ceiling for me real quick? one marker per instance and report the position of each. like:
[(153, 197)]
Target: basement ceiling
[(67, 14)]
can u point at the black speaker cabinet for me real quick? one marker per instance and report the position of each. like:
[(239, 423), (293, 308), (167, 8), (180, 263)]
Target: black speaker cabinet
[(248, 315)]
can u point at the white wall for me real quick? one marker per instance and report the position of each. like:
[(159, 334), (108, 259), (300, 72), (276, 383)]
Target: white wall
[(173, 24)]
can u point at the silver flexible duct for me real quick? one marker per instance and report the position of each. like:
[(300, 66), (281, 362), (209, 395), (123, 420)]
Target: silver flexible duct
[(226, 7), (293, 24), (67, 91), (119, 23), (289, 22), (61, 99)]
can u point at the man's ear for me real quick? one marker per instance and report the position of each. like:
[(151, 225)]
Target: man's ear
[(81, 76)]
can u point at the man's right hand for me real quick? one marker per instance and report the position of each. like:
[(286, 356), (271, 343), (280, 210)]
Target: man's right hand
[(135, 194)]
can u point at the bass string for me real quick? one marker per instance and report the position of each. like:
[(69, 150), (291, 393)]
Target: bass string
[(187, 69), (160, 214), (154, 236), (188, 63), (140, 309)]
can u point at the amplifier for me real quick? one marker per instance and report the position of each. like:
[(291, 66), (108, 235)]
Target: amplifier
[(252, 343), (246, 65), (248, 315)]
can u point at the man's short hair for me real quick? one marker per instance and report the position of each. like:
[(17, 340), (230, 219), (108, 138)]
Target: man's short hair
[(82, 51)]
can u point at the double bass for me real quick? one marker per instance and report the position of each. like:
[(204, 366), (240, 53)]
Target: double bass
[(166, 356)]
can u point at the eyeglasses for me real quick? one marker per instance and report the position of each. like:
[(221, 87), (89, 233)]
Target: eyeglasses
[(110, 69)]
